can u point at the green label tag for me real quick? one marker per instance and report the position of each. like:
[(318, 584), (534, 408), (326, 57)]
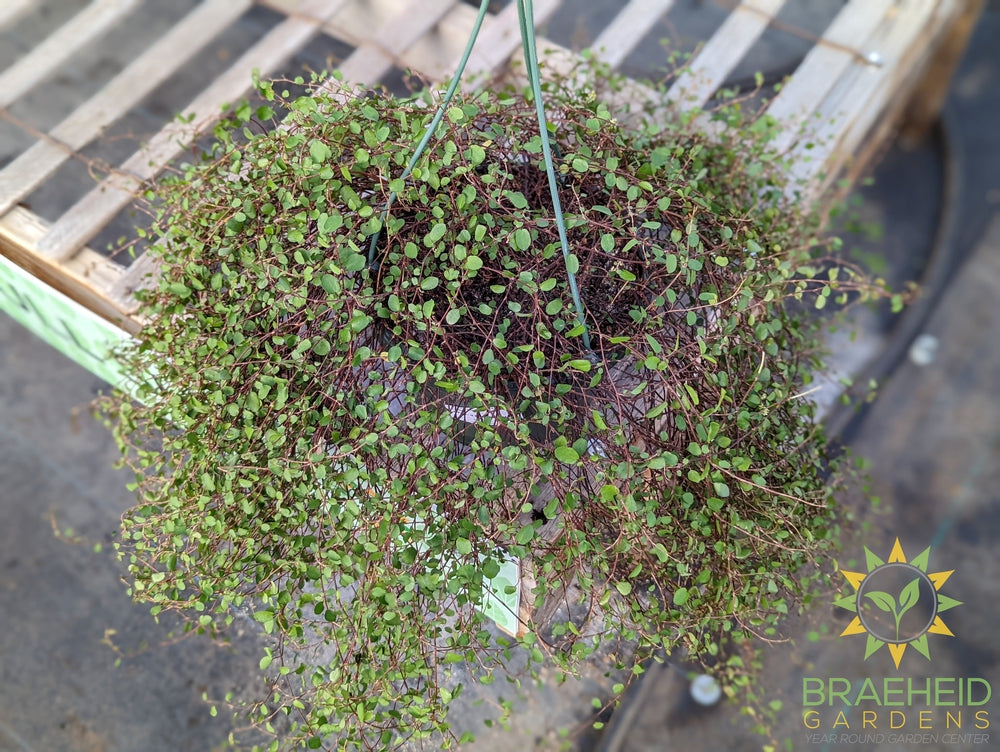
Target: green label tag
[(502, 598), (76, 332)]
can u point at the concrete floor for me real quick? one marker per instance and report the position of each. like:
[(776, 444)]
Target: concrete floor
[(64, 615), (65, 618)]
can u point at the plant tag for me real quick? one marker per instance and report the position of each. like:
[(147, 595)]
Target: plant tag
[(502, 599)]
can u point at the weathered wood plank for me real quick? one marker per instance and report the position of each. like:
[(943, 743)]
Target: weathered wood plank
[(124, 91), (376, 56), (500, 39), (839, 48), (628, 28), (890, 120), (60, 46), (87, 217), (738, 33), (86, 279), (435, 52), (861, 96), (355, 21), (12, 10)]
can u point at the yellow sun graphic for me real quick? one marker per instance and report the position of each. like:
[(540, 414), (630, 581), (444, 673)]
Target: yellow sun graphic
[(897, 603)]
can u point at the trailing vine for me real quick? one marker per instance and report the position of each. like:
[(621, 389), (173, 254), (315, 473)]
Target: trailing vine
[(348, 452)]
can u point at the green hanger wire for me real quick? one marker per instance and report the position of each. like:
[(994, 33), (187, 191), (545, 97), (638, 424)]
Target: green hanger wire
[(526, 20)]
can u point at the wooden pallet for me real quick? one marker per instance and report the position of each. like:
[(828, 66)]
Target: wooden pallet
[(845, 98)]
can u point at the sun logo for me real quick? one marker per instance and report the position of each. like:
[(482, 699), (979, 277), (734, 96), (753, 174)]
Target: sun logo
[(897, 603)]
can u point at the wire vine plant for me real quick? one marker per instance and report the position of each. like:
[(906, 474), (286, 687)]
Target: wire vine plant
[(371, 374)]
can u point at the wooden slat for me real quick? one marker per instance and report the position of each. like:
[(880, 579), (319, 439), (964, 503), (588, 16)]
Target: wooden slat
[(801, 97), (124, 91), (360, 15), (860, 100), (738, 33), (86, 279), (60, 46), (500, 39), (628, 28), (435, 52), (375, 57), (355, 24), (87, 217), (12, 10)]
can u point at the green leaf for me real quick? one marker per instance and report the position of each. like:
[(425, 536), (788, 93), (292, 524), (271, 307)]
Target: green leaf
[(623, 587), (572, 264), (321, 347), (525, 535), (522, 239), (473, 263), (180, 289), (680, 596), (909, 596), (436, 233), (660, 461), (331, 223), (553, 307), (517, 199), (463, 546), (566, 454), (580, 364), (491, 568), (319, 151), (883, 600), (329, 283), (580, 164), (355, 262), (476, 154)]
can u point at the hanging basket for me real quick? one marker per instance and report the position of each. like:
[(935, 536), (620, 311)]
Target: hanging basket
[(396, 397)]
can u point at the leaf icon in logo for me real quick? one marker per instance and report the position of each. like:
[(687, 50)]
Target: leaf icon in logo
[(909, 596), (883, 600)]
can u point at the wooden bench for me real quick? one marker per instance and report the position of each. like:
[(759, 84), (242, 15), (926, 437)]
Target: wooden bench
[(876, 62)]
